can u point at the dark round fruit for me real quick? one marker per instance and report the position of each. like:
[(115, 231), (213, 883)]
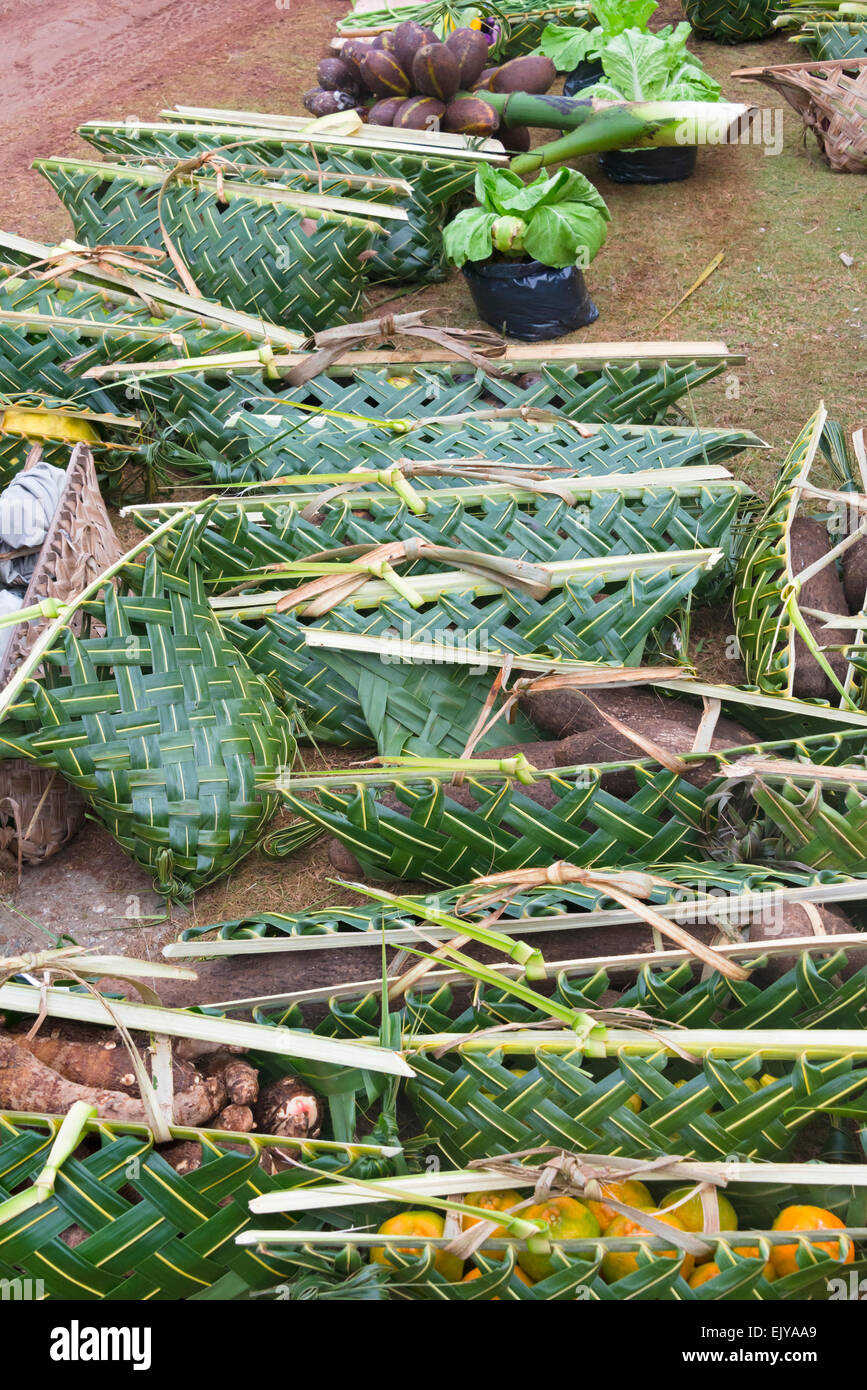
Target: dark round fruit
[(435, 71), (322, 103), (483, 83), (384, 112), (419, 113), (472, 50), (470, 116), (336, 76), (383, 75), (408, 38), (353, 54), (532, 73)]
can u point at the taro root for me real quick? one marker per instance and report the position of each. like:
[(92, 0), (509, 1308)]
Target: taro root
[(532, 74), (470, 116), (808, 541), (383, 75), (407, 39), (321, 103), (333, 75), (239, 1079), (472, 50), (435, 71), (384, 112), (289, 1107), (780, 920), (234, 1117), (855, 576), (670, 723), (26, 1083), (418, 113), (516, 138)]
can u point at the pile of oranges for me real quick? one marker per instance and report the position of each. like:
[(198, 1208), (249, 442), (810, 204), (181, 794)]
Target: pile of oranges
[(570, 1219)]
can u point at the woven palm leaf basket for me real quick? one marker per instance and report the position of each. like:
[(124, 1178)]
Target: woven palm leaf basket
[(206, 403), (731, 21), (288, 256), (723, 1076), (830, 42), (55, 327), (788, 644), (39, 811), (431, 179), (507, 815), (831, 99), (143, 1205), (156, 719)]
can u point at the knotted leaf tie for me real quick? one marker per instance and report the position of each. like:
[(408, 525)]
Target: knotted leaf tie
[(626, 886), (564, 1174)]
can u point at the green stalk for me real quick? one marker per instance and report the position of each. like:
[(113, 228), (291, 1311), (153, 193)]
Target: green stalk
[(633, 125), (66, 1142)]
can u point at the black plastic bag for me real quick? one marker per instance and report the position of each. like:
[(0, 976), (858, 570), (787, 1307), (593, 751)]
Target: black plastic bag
[(664, 165), (530, 301), (584, 75)]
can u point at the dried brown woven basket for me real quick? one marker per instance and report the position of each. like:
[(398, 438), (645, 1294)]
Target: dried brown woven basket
[(39, 810), (831, 99)]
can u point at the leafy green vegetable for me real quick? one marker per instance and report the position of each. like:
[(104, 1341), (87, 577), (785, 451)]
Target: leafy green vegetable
[(567, 46), (560, 221), (652, 67)]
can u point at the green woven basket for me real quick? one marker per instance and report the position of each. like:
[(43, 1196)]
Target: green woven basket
[(160, 724), (731, 21), (432, 837), (46, 327), (410, 252), (141, 1230), (264, 250), (828, 42), (218, 418), (596, 610)]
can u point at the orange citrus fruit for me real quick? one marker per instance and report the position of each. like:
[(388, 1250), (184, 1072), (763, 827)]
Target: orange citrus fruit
[(690, 1213), (632, 1193), (518, 1273), (618, 1263), (492, 1202), (806, 1218), (567, 1219), (418, 1223)]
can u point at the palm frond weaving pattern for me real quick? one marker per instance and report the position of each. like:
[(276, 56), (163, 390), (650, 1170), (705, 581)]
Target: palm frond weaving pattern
[(412, 251), (831, 42), (606, 614), (204, 411), (162, 726), (438, 839), (731, 21), (537, 528), (144, 1232), (45, 328), (249, 247), (474, 1106), (768, 610), (727, 880)]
